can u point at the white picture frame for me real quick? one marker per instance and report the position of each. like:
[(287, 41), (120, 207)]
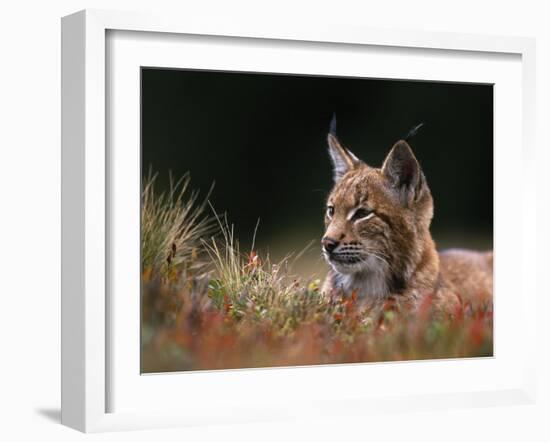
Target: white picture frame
[(87, 354)]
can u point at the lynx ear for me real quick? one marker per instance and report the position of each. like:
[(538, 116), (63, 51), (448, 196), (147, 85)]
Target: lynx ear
[(343, 160), (403, 171)]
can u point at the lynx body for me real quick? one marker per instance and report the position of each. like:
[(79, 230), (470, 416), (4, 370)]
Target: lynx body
[(378, 242)]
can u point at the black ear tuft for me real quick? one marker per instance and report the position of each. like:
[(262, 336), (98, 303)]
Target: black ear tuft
[(413, 131), (332, 127), (343, 160)]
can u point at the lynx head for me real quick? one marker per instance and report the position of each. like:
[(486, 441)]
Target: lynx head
[(376, 219)]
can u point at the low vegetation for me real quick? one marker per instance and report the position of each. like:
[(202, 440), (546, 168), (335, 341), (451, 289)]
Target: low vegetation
[(208, 305)]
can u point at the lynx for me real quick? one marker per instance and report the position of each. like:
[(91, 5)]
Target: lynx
[(378, 242)]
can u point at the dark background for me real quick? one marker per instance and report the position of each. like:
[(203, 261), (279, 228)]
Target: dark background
[(262, 139)]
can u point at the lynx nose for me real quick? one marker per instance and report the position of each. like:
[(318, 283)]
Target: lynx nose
[(329, 244)]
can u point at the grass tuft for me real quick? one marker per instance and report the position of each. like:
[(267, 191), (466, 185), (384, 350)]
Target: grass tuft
[(173, 224)]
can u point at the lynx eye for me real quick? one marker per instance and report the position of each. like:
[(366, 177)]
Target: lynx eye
[(362, 213), (330, 211)]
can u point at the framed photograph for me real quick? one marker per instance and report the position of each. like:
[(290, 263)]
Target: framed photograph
[(263, 222)]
